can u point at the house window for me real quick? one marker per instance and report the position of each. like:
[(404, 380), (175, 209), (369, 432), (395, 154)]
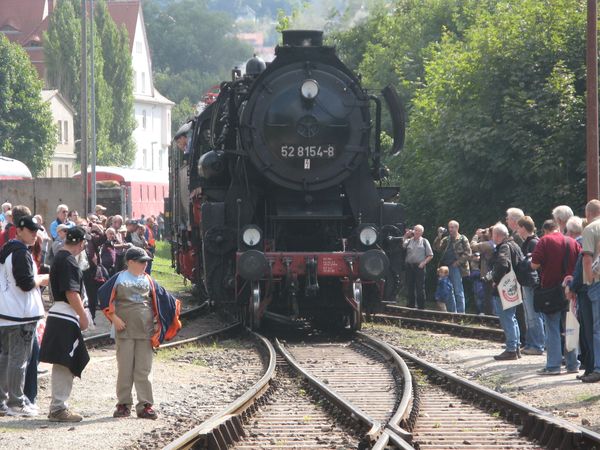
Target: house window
[(144, 119), (60, 170), (143, 82), (134, 80), (161, 154), (144, 162), (60, 131), (138, 47), (66, 132), (66, 170)]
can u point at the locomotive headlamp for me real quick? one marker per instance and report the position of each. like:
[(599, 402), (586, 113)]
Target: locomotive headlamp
[(252, 265), (368, 236), (373, 264), (310, 89), (251, 235)]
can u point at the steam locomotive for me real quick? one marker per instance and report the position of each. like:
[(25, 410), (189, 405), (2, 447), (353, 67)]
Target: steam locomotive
[(276, 206)]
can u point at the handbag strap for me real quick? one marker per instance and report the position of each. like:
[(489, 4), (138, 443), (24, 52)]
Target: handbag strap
[(566, 257)]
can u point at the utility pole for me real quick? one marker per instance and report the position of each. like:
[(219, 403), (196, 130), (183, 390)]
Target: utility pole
[(593, 187), (84, 117), (93, 107)]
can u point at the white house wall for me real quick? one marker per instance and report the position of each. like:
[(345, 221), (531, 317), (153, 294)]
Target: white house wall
[(152, 112)]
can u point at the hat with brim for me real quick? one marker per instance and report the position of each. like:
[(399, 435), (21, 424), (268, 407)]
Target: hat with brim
[(62, 227), (122, 229), (183, 130), (137, 254), (100, 208), (75, 235), (29, 222)]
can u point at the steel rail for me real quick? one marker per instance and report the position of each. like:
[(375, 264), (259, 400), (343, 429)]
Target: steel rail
[(379, 435), (403, 311), (446, 327), (98, 339), (225, 427), (550, 431), (403, 409)]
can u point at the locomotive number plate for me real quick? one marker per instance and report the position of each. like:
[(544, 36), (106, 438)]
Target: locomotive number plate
[(308, 151)]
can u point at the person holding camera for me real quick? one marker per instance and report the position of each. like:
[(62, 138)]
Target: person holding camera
[(418, 254), (456, 254), (506, 255)]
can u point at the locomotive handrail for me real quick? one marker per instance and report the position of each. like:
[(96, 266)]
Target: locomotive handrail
[(398, 115)]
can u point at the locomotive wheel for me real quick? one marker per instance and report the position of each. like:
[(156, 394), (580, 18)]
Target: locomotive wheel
[(253, 311), (356, 316)]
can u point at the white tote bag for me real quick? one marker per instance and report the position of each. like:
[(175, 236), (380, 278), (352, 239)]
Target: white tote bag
[(509, 290), (571, 329)]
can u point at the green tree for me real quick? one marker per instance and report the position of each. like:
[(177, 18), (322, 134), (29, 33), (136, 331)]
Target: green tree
[(189, 58), (112, 72), (118, 75), (27, 132), (62, 52), (500, 120)]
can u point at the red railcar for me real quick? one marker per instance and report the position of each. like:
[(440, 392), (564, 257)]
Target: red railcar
[(139, 192)]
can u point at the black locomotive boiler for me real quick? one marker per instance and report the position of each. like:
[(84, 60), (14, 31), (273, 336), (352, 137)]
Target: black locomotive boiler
[(277, 206)]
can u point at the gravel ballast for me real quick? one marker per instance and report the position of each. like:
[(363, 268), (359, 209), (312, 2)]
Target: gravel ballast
[(189, 385), (562, 395)]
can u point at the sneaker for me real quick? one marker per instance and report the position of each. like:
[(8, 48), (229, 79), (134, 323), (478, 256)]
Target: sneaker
[(23, 411), (593, 377), (64, 415), (147, 413), (532, 351), (506, 355), (3, 409), (576, 370), (122, 411), (584, 374), (545, 371)]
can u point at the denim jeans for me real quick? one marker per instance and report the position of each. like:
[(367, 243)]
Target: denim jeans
[(586, 330), (596, 333), (459, 292), (16, 351), (31, 376), (535, 335), (553, 345), (508, 322)]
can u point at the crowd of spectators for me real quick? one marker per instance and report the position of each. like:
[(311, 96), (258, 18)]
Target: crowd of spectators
[(98, 245), (557, 271)]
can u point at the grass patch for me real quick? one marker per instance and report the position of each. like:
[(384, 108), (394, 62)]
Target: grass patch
[(164, 273), (423, 340), (587, 398)]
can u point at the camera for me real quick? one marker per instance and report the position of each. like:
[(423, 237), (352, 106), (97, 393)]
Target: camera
[(443, 231)]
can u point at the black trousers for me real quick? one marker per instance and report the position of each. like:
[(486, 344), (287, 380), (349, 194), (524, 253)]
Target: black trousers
[(415, 285)]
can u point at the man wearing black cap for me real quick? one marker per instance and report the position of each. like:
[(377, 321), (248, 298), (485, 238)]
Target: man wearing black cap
[(20, 309), (63, 344)]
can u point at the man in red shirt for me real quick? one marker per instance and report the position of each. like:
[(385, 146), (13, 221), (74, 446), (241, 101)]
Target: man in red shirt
[(549, 256)]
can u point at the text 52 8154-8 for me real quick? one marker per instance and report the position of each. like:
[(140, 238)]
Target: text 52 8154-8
[(308, 151)]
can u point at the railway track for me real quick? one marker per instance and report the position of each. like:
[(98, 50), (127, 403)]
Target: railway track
[(463, 325), (278, 413), (456, 413)]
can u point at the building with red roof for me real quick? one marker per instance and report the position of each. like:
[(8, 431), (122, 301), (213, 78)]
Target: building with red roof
[(24, 22)]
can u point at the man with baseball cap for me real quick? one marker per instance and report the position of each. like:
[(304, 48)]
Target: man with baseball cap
[(20, 309), (63, 345)]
